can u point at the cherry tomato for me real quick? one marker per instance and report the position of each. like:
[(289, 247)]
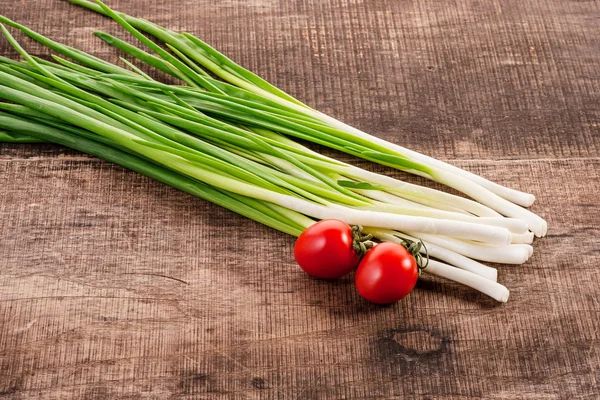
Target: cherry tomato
[(387, 273), (324, 250)]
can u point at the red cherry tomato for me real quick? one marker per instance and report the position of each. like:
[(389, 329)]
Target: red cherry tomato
[(324, 250), (387, 273)]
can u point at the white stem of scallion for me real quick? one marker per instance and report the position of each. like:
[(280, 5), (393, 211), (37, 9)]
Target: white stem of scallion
[(438, 252), (514, 225), (493, 289), (507, 254)]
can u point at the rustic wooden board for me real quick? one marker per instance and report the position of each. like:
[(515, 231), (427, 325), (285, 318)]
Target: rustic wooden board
[(115, 286)]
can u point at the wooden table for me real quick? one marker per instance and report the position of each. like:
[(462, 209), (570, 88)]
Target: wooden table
[(116, 286)]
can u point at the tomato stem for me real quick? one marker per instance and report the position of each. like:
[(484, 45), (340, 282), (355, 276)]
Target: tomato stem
[(361, 243), (414, 248)]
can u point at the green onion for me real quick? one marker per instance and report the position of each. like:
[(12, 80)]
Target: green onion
[(232, 142)]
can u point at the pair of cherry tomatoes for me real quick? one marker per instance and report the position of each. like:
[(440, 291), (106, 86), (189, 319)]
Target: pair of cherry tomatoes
[(328, 250)]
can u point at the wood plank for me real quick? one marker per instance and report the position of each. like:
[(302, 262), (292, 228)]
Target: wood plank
[(453, 79), (114, 285)]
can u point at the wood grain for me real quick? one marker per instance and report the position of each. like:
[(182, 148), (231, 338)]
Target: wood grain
[(115, 286)]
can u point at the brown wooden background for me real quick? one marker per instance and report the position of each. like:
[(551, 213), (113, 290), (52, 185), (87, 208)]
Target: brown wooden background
[(115, 286)]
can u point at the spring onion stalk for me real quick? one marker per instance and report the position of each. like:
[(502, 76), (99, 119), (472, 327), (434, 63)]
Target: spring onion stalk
[(515, 226), (226, 69), (437, 252), (493, 289), (148, 58), (464, 185), (509, 254)]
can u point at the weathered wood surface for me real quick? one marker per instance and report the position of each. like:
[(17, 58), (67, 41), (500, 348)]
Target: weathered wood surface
[(115, 286)]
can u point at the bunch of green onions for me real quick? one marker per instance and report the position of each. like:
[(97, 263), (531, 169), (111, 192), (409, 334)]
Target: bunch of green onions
[(225, 135)]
